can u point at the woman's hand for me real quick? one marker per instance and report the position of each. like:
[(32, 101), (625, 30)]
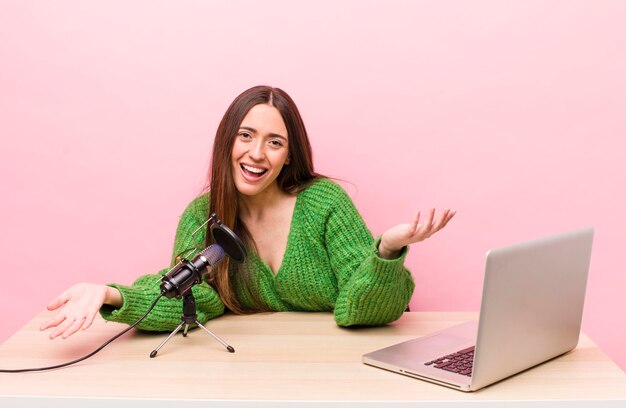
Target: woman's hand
[(395, 238), (78, 307)]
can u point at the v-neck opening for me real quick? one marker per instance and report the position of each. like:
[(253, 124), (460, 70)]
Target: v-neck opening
[(289, 239)]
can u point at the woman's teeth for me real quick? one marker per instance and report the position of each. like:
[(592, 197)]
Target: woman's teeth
[(253, 170)]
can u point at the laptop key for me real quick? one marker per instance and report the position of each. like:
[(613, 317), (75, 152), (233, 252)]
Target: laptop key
[(460, 362)]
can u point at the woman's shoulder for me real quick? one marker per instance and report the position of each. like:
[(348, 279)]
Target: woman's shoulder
[(324, 192), (198, 207), (324, 202), (323, 186)]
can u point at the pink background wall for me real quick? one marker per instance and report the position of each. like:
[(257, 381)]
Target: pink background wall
[(513, 113)]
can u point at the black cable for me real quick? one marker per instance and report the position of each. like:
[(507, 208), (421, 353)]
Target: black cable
[(23, 370)]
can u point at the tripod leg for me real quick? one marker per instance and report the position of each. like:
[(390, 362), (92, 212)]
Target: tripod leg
[(155, 351), (229, 348)]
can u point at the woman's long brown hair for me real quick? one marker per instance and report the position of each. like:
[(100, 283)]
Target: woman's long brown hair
[(223, 193)]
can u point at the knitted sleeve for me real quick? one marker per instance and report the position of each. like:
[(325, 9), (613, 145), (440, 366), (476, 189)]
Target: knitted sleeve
[(372, 290), (166, 315)]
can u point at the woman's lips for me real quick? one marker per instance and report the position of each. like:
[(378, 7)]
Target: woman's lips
[(251, 172)]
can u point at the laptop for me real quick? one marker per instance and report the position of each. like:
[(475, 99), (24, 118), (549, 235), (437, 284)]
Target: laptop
[(531, 312)]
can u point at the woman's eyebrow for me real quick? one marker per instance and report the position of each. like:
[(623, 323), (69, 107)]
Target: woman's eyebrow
[(253, 130), (247, 128)]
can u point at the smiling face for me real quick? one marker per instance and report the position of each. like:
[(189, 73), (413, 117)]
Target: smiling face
[(260, 151)]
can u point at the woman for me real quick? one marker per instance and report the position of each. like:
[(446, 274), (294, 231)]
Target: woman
[(309, 249)]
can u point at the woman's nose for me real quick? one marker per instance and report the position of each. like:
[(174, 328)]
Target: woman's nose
[(256, 151)]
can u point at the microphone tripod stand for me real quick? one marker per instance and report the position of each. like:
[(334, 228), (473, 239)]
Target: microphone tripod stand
[(188, 317)]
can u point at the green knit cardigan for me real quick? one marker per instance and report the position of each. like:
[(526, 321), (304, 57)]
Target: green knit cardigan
[(330, 264)]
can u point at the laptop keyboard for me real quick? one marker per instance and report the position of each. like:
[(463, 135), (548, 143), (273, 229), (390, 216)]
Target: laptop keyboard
[(459, 362)]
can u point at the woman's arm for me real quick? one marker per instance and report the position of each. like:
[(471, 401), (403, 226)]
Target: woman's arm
[(372, 290), (77, 306), (374, 286), (137, 298)]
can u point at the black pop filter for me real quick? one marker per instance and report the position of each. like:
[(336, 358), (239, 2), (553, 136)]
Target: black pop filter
[(177, 281), (230, 242)]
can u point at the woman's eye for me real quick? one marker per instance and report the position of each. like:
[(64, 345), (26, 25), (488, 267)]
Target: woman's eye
[(276, 143), (245, 135)]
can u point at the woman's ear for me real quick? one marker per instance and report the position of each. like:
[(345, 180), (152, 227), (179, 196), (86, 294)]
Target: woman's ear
[(288, 160)]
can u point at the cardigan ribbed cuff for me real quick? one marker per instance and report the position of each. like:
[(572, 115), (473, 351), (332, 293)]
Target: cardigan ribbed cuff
[(135, 303), (387, 270), (166, 315)]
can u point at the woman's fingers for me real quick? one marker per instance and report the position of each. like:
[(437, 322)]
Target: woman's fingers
[(415, 223), (441, 222), (58, 301), (91, 315), (73, 327), (67, 328), (52, 322), (427, 226), (450, 216), (430, 219), (432, 225), (76, 308), (395, 238), (61, 327)]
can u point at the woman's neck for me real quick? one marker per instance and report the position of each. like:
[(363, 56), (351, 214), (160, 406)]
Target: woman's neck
[(255, 207)]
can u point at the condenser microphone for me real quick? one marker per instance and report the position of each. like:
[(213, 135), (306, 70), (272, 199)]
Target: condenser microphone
[(189, 273), (186, 274)]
